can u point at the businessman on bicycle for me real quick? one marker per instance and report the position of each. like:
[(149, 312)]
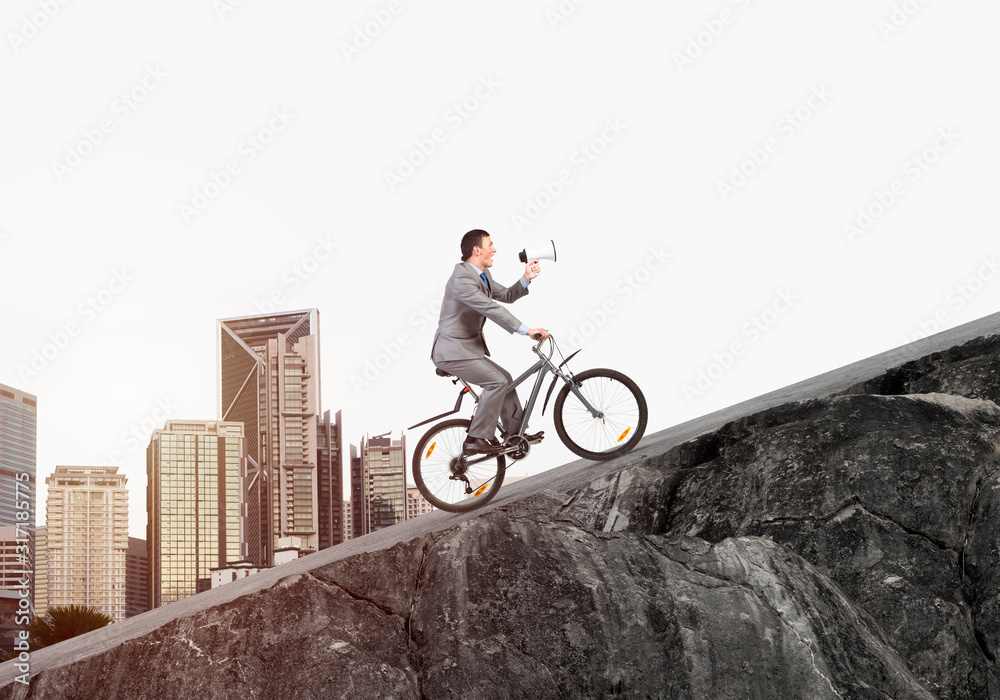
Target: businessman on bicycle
[(470, 297)]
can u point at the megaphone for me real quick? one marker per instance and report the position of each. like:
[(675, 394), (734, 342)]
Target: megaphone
[(545, 252)]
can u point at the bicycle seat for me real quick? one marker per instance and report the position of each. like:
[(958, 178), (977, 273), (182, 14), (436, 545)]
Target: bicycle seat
[(441, 373)]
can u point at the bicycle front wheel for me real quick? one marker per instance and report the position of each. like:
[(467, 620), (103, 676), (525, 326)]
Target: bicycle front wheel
[(621, 420), (444, 480)]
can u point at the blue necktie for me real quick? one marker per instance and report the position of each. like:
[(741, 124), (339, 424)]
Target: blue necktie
[(486, 282)]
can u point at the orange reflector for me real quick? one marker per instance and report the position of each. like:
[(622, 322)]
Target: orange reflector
[(480, 490), (429, 450), (622, 436)]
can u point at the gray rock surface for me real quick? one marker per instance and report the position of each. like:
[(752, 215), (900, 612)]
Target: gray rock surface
[(843, 545), (890, 498)]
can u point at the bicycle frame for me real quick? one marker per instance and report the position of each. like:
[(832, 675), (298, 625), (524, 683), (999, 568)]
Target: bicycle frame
[(544, 362)]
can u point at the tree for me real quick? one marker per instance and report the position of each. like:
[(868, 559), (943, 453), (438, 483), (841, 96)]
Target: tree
[(64, 622)]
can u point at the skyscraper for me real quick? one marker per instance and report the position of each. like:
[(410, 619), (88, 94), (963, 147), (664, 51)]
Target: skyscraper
[(41, 580), (330, 475), (137, 586), (18, 441), (357, 492), (15, 570), (87, 525), (378, 484), (269, 381), (194, 474), (416, 504)]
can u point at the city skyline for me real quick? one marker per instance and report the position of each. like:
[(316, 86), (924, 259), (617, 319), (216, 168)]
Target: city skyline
[(138, 435)]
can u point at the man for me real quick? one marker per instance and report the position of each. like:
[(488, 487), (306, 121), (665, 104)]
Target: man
[(470, 297)]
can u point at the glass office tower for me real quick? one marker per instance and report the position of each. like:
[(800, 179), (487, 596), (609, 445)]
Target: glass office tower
[(18, 444), (195, 471)]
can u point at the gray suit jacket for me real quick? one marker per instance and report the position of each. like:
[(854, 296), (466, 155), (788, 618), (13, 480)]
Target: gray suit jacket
[(466, 306)]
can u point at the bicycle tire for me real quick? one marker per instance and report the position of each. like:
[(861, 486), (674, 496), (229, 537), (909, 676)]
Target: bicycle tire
[(624, 415), (432, 471)]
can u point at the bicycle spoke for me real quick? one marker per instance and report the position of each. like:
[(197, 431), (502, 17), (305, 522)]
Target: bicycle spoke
[(622, 418), (472, 485)]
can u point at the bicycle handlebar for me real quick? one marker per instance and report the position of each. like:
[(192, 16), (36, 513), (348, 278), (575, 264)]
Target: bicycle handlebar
[(541, 340)]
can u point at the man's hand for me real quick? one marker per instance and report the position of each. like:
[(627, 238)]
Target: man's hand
[(538, 333), (532, 270)]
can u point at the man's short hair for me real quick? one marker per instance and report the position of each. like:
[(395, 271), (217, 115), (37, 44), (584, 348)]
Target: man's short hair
[(470, 240)]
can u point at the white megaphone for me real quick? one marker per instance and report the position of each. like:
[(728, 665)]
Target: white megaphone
[(545, 252)]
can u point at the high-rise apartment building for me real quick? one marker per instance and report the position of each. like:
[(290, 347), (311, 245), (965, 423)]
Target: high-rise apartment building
[(18, 442), (269, 381), (87, 538), (378, 484), (41, 581), (416, 504), (195, 471), (348, 521)]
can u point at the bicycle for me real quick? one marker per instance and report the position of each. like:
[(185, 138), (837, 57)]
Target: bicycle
[(599, 414)]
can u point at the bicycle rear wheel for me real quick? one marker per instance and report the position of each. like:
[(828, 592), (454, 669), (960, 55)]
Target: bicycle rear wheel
[(444, 480), (619, 427)]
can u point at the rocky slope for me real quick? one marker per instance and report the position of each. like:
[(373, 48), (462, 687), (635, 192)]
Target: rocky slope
[(836, 547)]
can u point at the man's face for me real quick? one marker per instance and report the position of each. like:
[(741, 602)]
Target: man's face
[(486, 251)]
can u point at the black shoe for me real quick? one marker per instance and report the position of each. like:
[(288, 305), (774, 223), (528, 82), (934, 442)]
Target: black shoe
[(474, 445)]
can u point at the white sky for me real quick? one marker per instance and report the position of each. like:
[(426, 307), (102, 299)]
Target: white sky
[(117, 113)]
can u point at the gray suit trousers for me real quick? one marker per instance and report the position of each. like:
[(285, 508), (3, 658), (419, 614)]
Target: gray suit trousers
[(495, 401)]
